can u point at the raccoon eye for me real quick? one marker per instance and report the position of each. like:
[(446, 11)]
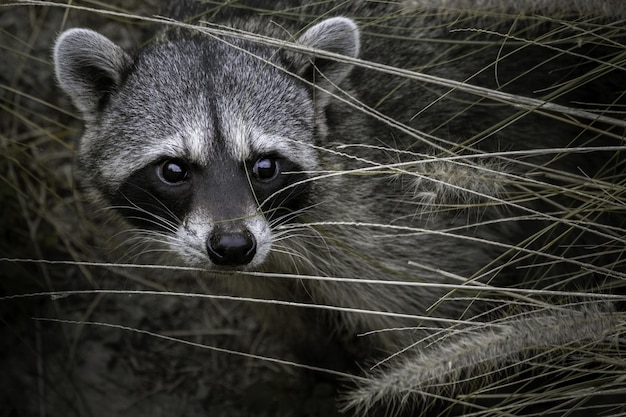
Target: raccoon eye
[(266, 169), (172, 171)]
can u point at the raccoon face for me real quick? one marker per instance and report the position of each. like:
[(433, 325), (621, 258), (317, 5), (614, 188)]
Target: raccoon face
[(200, 142)]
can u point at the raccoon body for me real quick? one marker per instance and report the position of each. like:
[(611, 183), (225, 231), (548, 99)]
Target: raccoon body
[(292, 158)]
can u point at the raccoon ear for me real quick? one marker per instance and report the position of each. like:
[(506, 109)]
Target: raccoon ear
[(89, 67), (339, 35)]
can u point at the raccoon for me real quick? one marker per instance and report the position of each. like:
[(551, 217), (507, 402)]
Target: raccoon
[(437, 184)]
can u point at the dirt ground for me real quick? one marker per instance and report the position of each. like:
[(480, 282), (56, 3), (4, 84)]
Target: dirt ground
[(152, 355)]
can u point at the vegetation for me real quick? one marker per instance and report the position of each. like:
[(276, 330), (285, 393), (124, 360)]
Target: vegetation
[(90, 329)]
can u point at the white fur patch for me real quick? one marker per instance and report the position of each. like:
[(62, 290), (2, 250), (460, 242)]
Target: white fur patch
[(197, 144), (235, 132), (244, 141), (189, 242), (192, 142), (298, 152)]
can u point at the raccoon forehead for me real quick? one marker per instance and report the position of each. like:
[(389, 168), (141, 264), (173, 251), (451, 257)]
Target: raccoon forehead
[(177, 105), (236, 139), (244, 140), (134, 137), (197, 143)]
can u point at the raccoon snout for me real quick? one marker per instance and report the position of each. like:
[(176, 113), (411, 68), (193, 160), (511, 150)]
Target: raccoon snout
[(228, 248)]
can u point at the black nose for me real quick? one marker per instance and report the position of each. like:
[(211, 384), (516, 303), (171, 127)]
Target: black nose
[(227, 248)]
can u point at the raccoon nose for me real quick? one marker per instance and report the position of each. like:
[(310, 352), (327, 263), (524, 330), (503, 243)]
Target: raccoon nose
[(231, 248)]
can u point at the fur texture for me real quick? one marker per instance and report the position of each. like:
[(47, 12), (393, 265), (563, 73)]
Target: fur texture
[(293, 158)]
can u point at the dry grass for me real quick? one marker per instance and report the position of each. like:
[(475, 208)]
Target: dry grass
[(86, 334)]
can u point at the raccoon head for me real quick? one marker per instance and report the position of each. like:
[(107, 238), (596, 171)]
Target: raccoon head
[(202, 142)]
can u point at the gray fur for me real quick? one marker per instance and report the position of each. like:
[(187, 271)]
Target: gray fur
[(425, 202), (82, 59)]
